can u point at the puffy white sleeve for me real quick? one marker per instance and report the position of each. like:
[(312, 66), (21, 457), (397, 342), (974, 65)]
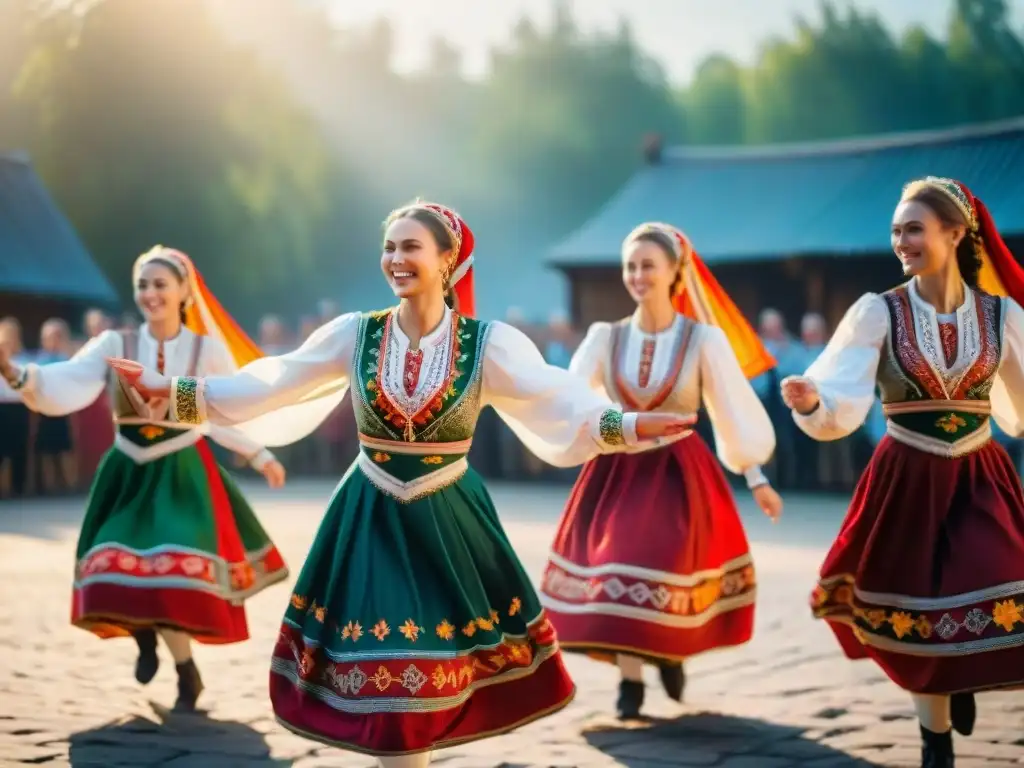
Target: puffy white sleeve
[(217, 361), (846, 371), (275, 400), (590, 357), (1007, 394), (553, 411), (62, 388), (744, 436)]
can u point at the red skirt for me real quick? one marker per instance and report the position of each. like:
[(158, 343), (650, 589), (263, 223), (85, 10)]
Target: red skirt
[(651, 558), (926, 576)]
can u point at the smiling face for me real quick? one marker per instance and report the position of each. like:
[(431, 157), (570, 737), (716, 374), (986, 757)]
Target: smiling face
[(160, 291), (413, 261), (648, 272), (923, 243)]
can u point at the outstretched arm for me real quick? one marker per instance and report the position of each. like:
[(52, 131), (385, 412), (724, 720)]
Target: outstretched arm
[(556, 413), (62, 388)]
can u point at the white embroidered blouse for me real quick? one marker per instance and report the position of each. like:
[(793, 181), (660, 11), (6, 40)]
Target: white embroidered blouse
[(556, 415), (676, 370)]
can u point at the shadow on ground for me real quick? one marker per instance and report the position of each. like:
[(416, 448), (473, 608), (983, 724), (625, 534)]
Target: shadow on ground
[(713, 739), (171, 741)]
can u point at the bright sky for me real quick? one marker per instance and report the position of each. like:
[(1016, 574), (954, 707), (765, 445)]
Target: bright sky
[(679, 33)]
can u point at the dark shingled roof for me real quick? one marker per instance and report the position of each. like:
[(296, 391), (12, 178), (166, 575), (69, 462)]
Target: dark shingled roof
[(40, 253), (825, 198)]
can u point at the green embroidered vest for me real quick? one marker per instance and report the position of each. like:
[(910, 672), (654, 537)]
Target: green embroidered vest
[(941, 406), (409, 447), (141, 434)]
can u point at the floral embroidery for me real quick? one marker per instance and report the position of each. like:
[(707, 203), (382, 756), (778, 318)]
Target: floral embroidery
[(1007, 613), (902, 624), (227, 578), (836, 600), (433, 459), (412, 676), (386, 406), (515, 607), (380, 457), (445, 630), (298, 602), (352, 631), (320, 613), (950, 423), (151, 432), (410, 630), (381, 630), (470, 629)]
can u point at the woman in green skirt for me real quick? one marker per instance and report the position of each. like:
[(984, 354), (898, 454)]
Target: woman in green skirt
[(413, 625), (168, 545)]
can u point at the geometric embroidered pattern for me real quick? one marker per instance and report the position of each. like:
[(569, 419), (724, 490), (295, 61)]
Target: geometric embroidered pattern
[(978, 624), (377, 676), (662, 597)]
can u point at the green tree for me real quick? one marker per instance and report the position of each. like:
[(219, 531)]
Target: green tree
[(151, 127)]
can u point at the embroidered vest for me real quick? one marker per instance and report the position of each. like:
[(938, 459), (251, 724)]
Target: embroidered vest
[(652, 397), (412, 454), (939, 410), (126, 420)]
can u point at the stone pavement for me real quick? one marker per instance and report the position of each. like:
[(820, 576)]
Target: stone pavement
[(786, 699)]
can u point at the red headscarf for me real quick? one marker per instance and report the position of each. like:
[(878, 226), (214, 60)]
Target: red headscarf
[(1000, 274), (701, 298), (460, 276)]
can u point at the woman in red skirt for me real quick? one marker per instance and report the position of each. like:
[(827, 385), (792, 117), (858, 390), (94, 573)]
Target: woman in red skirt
[(926, 576), (651, 562)]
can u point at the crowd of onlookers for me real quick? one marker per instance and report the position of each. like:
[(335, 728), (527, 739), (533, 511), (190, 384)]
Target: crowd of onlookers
[(52, 455)]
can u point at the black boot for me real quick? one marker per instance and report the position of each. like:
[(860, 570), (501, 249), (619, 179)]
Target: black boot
[(964, 711), (673, 679), (936, 749), (631, 699), (190, 685), (148, 662)]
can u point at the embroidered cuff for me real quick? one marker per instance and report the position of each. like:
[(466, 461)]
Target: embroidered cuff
[(20, 378), (188, 406), (755, 477), (610, 427), (262, 458)]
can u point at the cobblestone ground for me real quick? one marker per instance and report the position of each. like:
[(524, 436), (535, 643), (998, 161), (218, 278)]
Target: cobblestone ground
[(786, 699)]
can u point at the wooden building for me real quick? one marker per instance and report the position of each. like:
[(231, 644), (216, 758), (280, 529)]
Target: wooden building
[(797, 227), (45, 270)]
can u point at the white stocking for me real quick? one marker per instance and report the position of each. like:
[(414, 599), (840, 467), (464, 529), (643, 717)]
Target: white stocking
[(178, 643), (933, 711), (632, 668), (418, 760)]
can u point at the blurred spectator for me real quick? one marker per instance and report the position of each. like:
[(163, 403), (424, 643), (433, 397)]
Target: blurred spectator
[(95, 322), (772, 329), (273, 336), (53, 452), (14, 420), (128, 323), (93, 427)]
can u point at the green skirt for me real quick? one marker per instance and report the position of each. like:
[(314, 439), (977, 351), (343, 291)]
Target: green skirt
[(413, 626), (170, 543)]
